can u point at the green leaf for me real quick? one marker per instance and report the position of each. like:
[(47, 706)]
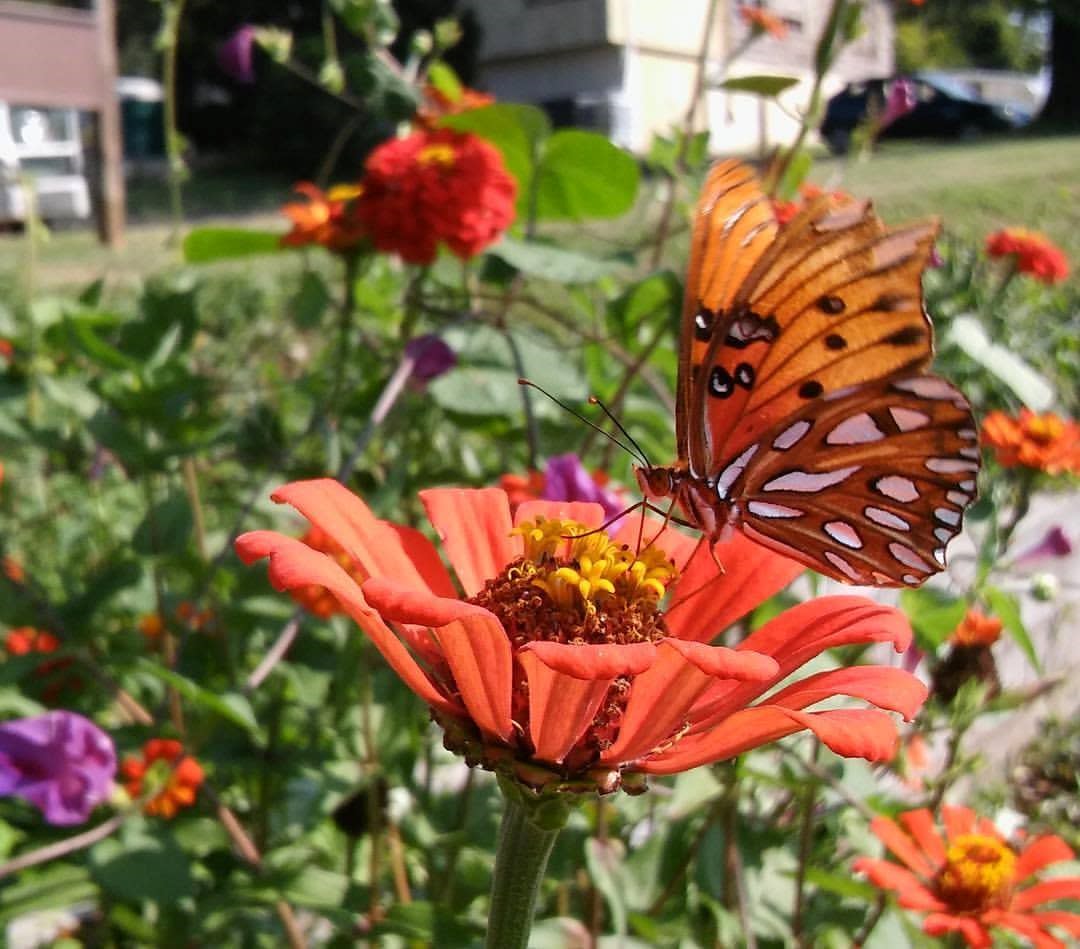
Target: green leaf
[(443, 78), (206, 244), (143, 867), (106, 355), (583, 175), (231, 706), (769, 86), (1007, 609), (310, 302), (166, 528), (968, 333), (515, 130), (933, 615), (795, 174), (553, 263), (50, 887), (841, 884)]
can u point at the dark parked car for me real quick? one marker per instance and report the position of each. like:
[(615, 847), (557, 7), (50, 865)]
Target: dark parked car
[(943, 108)]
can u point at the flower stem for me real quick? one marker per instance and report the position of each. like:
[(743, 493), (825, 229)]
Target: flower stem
[(526, 837)]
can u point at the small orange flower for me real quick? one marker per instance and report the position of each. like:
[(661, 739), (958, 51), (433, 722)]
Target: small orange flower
[(762, 21), (13, 570), (164, 769), (328, 219), (6, 348), (314, 598), (976, 629), (187, 612), (22, 640), (54, 676), (1034, 253), (437, 104), (1045, 442), (785, 211), (972, 881)]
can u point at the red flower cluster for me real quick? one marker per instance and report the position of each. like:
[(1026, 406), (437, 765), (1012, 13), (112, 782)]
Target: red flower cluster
[(762, 21), (433, 187), (328, 219), (1044, 442), (163, 768), (54, 676), (972, 881), (1035, 254)]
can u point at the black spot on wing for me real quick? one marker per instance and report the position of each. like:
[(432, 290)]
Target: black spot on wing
[(835, 341), (721, 385), (744, 375), (830, 304), (704, 321), (811, 389), (906, 336)]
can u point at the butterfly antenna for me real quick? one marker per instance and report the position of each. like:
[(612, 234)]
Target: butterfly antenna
[(637, 454), (593, 400)]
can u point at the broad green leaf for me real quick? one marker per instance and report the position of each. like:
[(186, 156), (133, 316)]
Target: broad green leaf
[(1007, 609), (143, 867), (442, 77), (769, 86), (515, 130), (583, 175), (206, 244), (53, 886), (968, 333), (553, 263), (933, 615), (231, 706), (166, 527)]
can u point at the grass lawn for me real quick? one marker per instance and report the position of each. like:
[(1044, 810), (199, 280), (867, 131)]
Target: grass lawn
[(975, 187)]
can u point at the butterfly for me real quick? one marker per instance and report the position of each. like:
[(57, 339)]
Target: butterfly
[(805, 415)]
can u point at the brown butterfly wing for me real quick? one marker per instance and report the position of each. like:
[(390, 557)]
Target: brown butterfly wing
[(733, 227), (868, 486)]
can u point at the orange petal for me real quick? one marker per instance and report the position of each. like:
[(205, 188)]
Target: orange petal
[(909, 889), (588, 662), (892, 689), (293, 564), (939, 924), (584, 512), (478, 653), (706, 601), (1059, 888), (381, 549), (1039, 853), (1070, 922), (957, 820), (1025, 925), (561, 707), (900, 843), (474, 527), (920, 824), (400, 604)]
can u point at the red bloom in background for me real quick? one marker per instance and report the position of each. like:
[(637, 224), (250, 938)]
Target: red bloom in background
[(433, 187), (1034, 253), (54, 676), (762, 21), (317, 599), (165, 769), (1044, 442), (23, 640), (564, 478), (556, 665), (328, 219), (971, 881)]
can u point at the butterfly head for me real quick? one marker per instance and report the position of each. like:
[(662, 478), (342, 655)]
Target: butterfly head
[(657, 483)]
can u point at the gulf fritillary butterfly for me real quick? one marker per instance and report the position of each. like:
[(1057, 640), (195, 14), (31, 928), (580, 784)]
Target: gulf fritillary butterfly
[(805, 415)]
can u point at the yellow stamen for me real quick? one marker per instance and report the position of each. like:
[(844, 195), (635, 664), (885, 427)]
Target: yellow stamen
[(438, 154)]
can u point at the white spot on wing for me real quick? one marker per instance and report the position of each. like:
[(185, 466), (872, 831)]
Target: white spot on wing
[(947, 516), (958, 497), (897, 488), (968, 485), (939, 555), (766, 509), (907, 420), (950, 465), (927, 387), (732, 471), (843, 533), (910, 580), (856, 430), (969, 451), (908, 557), (969, 434), (842, 565), (791, 435), (809, 482), (886, 518), (943, 534)]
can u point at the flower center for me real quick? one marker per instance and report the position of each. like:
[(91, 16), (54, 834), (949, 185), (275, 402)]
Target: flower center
[(437, 154), (1045, 429), (978, 873), (573, 585)]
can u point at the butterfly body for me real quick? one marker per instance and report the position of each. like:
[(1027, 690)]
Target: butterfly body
[(805, 413)]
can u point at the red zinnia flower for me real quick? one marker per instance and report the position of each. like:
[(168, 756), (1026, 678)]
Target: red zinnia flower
[(1035, 254), (164, 768), (972, 881), (23, 640), (328, 219), (556, 665), (435, 187), (1044, 442), (762, 21)]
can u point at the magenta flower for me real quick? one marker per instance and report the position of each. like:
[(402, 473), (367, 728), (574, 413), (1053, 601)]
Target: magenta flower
[(899, 102), (565, 479), (60, 762), (235, 55), (1055, 543), (431, 357)]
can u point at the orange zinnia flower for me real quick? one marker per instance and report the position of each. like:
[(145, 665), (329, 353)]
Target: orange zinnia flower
[(977, 629), (328, 219), (151, 625), (762, 21), (437, 104), (556, 665), (1044, 442), (164, 768), (972, 881), (1034, 253)]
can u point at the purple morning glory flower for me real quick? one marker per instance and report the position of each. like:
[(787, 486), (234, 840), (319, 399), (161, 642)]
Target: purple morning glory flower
[(60, 762), (1055, 543), (431, 357), (565, 479), (901, 100), (235, 55)]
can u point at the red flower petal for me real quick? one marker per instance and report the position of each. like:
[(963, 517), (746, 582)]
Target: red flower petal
[(851, 733), (957, 820), (910, 891), (294, 564), (382, 549), (1041, 852), (1059, 888), (584, 512), (474, 527), (1070, 922), (902, 846), (478, 653), (705, 604), (588, 662), (939, 924), (892, 689), (1025, 925), (920, 824), (400, 604), (561, 706)]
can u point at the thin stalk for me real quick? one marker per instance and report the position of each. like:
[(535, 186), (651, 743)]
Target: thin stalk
[(173, 12), (871, 921), (191, 485), (806, 840), (532, 427), (63, 848)]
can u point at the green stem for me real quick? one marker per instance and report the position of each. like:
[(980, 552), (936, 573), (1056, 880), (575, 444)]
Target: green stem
[(526, 837), (173, 149)]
